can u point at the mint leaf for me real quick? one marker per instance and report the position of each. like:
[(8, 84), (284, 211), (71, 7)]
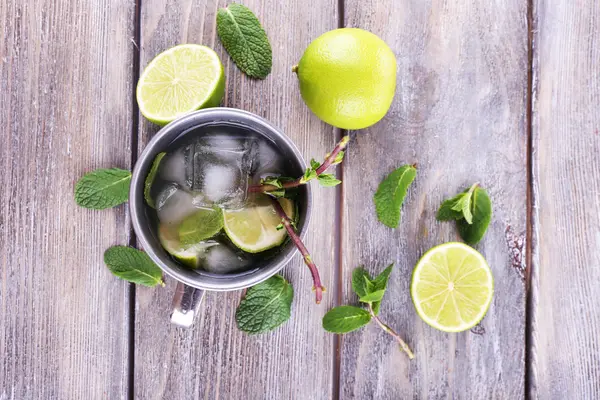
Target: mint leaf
[(150, 179), (277, 193), (308, 175), (447, 211), (360, 277), (464, 204), (314, 164), (203, 224), (481, 208), (133, 265), (338, 158), (345, 319), (390, 195), (245, 40), (103, 188), (380, 283), (328, 180), (266, 306), (272, 180), (373, 296)]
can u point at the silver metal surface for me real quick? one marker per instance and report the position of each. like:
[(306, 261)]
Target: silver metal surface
[(146, 234), (186, 303)]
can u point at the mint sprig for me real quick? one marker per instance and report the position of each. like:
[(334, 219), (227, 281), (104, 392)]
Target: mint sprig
[(245, 40), (391, 193), (103, 188), (277, 185), (344, 319), (266, 306), (133, 265), (150, 179), (472, 211)]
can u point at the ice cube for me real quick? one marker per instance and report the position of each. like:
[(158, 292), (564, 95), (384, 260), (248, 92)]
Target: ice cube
[(173, 168), (173, 204), (223, 260), (268, 160), (221, 169)]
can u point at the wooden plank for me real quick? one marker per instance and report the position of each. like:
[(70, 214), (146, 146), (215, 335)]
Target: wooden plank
[(214, 359), (565, 357), (460, 113), (65, 110)]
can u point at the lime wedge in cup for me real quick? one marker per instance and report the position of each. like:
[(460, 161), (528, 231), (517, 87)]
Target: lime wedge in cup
[(189, 255), (179, 80), (254, 228), (452, 287)]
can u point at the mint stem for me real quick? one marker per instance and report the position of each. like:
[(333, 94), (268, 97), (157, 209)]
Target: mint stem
[(389, 330), (340, 146), (287, 223)]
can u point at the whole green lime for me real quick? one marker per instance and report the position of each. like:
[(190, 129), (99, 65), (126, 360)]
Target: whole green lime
[(348, 78)]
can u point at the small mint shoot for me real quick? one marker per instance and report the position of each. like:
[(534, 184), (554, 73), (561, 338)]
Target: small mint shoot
[(314, 164), (344, 319)]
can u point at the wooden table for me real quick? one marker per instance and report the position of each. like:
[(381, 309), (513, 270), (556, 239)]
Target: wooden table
[(502, 92)]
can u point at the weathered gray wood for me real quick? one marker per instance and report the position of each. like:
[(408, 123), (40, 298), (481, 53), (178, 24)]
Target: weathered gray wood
[(65, 108), (565, 357), (460, 113), (214, 359)]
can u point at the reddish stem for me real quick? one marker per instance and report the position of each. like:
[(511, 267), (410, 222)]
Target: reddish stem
[(330, 159), (287, 223), (392, 332)]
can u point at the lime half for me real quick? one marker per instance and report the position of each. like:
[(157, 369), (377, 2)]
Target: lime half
[(179, 80), (452, 287), (254, 228)]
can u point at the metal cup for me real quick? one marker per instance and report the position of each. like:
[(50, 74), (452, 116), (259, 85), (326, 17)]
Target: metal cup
[(192, 284)]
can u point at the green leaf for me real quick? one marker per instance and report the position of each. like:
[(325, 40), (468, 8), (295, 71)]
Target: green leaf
[(481, 207), (390, 195), (328, 180), (338, 158), (277, 193), (245, 40), (266, 306), (272, 180), (314, 164), (464, 204), (308, 175), (103, 188), (360, 277), (203, 224), (373, 296), (150, 179), (279, 227), (447, 211), (345, 319), (133, 265), (380, 283)]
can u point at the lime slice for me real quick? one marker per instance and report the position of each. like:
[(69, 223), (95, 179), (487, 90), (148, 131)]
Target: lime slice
[(254, 228), (179, 80), (191, 255), (452, 287)]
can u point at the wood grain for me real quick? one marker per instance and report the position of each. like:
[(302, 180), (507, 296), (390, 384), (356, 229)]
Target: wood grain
[(215, 360), (565, 354), (460, 114), (65, 109)]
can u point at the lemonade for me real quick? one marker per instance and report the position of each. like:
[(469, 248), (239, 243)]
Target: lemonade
[(205, 216)]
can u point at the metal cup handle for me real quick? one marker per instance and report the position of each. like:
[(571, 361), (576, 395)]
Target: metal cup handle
[(186, 303)]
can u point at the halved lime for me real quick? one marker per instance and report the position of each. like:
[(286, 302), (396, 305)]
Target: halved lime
[(179, 80), (254, 228), (190, 255), (452, 287)]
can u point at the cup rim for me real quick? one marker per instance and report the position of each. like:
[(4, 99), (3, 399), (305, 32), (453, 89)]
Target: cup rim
[(137, 202)]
